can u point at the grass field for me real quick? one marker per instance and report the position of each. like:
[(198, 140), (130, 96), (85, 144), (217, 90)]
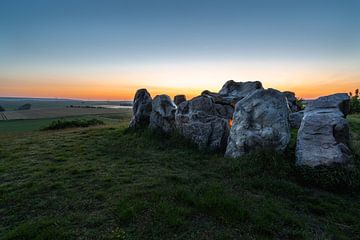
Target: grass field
[(25, 125), (56, 113), (11, 104), (111, 183)]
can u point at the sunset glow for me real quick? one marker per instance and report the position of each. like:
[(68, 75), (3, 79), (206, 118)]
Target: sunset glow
[(108, 50)]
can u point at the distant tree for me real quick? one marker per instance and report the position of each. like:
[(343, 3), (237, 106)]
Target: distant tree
[(355, 102), (2, 109), (25, 107)]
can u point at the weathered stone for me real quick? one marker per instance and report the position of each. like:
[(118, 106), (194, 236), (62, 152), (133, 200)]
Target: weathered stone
[(162, 116), (233, 91), (260, 122), (141, 109), (323, 137), (338, 101), (204, 122), (179, 99), (292, 101), (295, 119)]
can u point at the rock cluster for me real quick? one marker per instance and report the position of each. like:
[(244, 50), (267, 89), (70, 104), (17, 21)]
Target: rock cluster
[(244, 117)]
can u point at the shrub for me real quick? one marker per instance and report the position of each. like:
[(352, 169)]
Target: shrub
[(63, 124), (354, 102), (2, 109), (25, 107)]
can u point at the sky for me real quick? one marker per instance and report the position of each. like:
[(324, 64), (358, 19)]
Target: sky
[(106, 49)]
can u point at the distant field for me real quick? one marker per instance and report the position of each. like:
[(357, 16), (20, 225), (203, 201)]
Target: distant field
[(16, 126), (56, 112), (11, 104)]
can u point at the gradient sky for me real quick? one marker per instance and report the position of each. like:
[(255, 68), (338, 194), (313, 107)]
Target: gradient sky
[(106, 49)]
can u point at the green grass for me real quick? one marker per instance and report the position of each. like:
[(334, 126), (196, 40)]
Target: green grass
[(20, 126), (113, 183), (77, 123)]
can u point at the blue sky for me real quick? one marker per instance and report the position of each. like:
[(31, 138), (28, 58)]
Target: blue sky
[(40, 38)]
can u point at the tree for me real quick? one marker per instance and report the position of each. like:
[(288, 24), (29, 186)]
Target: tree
[(355, 102)]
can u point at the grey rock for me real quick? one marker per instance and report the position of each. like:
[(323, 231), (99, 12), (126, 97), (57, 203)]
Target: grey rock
[(179, 99), (204, 122), (260, 122), (141, 109), (233, 91), (338, 101), (162, 116), (292, 101), (323, 137), (295, 119)]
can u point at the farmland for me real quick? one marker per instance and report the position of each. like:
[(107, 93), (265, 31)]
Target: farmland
[(56, 113), (44, 111)]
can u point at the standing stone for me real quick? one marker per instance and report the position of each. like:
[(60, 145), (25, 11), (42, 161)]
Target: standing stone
[(233, 91), (260, 122), (142, 106), (295, 119), (162, 116), (292, 101), (179, 99), (323, 137), (204, 122)]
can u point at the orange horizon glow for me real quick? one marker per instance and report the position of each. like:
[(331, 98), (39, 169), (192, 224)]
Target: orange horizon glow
[(307, 80), (127, 94)]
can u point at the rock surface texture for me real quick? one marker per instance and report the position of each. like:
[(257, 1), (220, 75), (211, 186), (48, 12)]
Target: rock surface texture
[(179, 99), (141, 109), (204, 122), (323, 137), (260, 122), (295, 119), (162, 116), (233, 91), (292, 101)]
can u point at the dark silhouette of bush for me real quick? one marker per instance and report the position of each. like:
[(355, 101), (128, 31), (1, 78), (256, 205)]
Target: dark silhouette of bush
[(63, 124), (26, 106), (354, 102), (2, 109)]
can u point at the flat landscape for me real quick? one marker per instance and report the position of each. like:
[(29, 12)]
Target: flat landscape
[(108, 182), (55, 113)]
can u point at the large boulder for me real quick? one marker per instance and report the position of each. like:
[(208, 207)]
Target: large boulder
[(162, 116), (260, 122), (142, 106), (179, 99), (323, 137), (292, 101), (295, 119), (204, 122), (233, 91)]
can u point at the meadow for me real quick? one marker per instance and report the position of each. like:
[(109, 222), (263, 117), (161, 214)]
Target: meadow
[(109, 182)]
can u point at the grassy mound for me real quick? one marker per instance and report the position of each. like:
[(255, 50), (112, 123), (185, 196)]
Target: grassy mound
[(113, 183), (63, 124)]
